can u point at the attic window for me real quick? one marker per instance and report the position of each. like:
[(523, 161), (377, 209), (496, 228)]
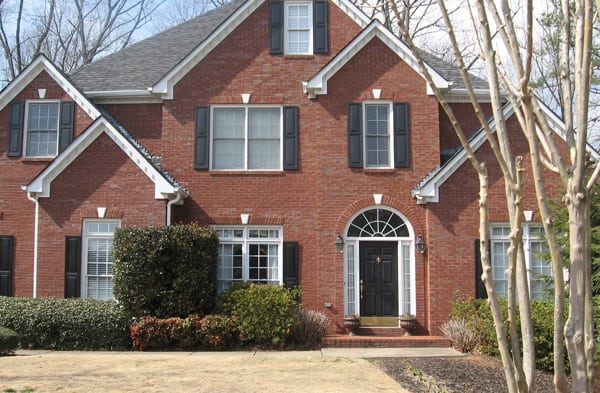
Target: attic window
[(42, 129), (298, 28)]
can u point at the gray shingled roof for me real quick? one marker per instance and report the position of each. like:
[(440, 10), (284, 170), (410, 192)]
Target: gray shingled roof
[(144, 63)]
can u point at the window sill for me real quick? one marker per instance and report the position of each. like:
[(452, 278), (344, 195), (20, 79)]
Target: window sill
[(299, 57), (379, 170), (37, 159), (246, 173)]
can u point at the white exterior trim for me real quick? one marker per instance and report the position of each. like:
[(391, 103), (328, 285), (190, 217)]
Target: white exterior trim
[(317, 85), (41, 184), (39, 64)]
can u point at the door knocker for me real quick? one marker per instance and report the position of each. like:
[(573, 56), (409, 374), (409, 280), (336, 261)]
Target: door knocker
[(378, 259)]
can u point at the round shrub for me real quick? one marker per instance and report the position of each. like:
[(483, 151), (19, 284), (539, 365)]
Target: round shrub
[(265, 314), (165, 271), (9, 341), (311, 327)]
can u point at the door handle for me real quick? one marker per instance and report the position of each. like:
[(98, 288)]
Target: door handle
[(362, 284)]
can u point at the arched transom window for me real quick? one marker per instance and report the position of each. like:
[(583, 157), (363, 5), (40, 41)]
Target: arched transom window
[(378, 223)]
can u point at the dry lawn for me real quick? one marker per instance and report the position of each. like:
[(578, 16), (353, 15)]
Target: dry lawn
[(48, 371)]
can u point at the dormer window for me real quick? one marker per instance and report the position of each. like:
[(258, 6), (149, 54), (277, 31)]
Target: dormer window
[(298, 28)]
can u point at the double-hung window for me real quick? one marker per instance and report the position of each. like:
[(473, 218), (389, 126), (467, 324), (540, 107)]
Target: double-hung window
[(249, 254), (98, 259), (378, 146), (539, 270), (298, 27), (247, 138), (41, 129)]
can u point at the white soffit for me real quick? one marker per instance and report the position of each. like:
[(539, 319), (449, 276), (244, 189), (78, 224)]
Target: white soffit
[(37, 66), (318, 84), (41, 184)]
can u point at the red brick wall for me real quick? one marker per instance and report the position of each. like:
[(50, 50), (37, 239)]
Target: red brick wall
[(16, 211)]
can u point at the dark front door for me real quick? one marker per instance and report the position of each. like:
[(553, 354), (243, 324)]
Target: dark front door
[(379, 279)]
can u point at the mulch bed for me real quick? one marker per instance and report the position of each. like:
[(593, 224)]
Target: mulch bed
[(468, 374)]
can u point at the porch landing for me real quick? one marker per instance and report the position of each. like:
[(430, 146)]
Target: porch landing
[(383, 338)]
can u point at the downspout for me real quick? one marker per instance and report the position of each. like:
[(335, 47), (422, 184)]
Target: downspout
[(33, 198), (170, 204)]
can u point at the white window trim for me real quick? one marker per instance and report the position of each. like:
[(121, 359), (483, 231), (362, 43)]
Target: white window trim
[(390, 133), (527, 239), (246, 158), (84, 248), (286, 27), (246, 240), (26, 126)]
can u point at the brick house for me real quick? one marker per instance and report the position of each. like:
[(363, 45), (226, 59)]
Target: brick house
[(288, 126)]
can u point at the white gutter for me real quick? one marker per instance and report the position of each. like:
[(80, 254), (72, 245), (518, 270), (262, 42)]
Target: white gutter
[(33, 198), (170, 205)]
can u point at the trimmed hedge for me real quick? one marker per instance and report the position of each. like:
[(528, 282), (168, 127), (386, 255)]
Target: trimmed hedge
[(265, 314), (9, 341), (167, 271), (66, 324)]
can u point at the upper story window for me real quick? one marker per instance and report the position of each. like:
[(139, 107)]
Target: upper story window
[(247, 138), (378, 135), (539, 270), (41, 129), (298, 28)]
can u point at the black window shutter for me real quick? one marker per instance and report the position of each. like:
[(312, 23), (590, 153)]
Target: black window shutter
[(355, 137), (276, 27), (290, 137), (6, 264), (290, 264), (401, 136), (15, 129), (480, 291), (202, 137), (320, 27), (67, 117), (73, 266)]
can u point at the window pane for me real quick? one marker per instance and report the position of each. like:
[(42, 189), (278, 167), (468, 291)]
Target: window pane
[(98, 259), (499, 266), (298, 16), (228, 138), (298, 42), (42, 129), (298, 28), (228, 154), (264, 130), (377, 135)]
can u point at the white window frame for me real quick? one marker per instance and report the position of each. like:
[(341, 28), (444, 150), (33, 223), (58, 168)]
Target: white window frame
[(246, 241), (246, 109), (529, 237), (287, 28), (87, 236), (28, 103), (390, 134)]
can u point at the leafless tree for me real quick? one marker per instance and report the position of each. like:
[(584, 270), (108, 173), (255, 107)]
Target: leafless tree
[(175, 12), (509, 78)]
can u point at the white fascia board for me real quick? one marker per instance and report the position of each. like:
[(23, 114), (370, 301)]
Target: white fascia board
[(41, 184), (39, 64), (318, 84), (462, 96), (429, 192), (166, 84), (353, 12)]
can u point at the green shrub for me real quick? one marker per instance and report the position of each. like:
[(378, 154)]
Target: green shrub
[(9, 341), (478, 315), (265, 314), (83, 324), (165, 271), (311, 327)]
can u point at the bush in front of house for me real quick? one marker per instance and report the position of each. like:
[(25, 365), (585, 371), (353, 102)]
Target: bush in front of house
[(311, 327), (9, 341), (193, 332), (165, 271), (66, 324), (265, 314), (478, 316), (461, 334)]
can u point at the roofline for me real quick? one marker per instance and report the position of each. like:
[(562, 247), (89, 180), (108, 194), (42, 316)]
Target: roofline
[(317, 85), (166, 84), (41, 184), (37, 65)]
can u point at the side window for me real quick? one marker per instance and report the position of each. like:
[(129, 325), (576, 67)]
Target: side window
[(97, 259), (40, 128)]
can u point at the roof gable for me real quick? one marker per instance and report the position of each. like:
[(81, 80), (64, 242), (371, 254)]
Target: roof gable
[(318, 83), (165, 186), (37, 66)]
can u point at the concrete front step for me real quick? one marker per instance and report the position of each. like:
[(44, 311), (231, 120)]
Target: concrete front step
[(357, 341)]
